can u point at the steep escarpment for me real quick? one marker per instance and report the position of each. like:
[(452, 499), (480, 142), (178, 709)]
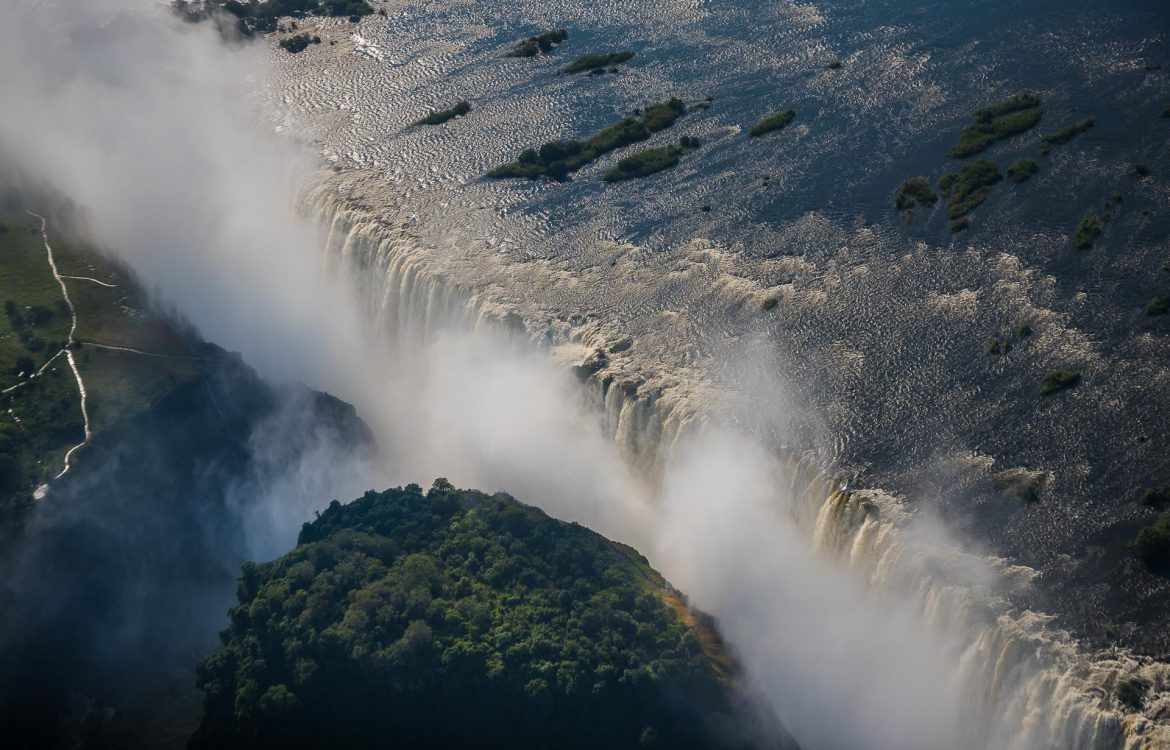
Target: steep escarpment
[(119, 576), (459, 619)]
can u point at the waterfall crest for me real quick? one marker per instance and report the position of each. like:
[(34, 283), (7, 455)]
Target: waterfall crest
[(1025, 684)]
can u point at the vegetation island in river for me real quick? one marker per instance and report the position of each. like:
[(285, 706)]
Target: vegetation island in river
[(557, 159), (458, 619), (997, 122)]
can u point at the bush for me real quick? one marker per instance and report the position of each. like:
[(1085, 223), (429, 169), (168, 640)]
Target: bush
[(1021, 169), (1152, 543), (961, 224), (774, 121), (443, 115), (1088, 232), (996, 123), (1140, 171), (1059, 380), (914, 192), (1065, 134), (596, 62), (298, 43), (1156, 497), (542, 43), (1158, 306)]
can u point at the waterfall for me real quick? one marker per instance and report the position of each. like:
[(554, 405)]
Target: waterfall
[(1026, 685)]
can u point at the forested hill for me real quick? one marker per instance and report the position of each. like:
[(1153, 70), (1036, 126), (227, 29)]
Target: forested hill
[(458, 619)]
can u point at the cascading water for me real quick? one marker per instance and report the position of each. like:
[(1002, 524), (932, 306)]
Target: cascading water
[(1024, 685)]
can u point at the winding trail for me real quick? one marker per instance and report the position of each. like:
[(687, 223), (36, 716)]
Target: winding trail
[(88, 434), (87, 278)]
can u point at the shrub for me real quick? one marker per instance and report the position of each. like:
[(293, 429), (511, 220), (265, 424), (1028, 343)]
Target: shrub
[(298, 43), (443, 115), (595, 62), (1152, 543), (1021, 169), (1140, 171), (1088, 232), (1158, 306), (1156, 497), (961, 224), (774, 121), (539, 44), (1059, 380)]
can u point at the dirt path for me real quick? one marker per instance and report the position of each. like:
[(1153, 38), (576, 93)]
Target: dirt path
[(66, 350)]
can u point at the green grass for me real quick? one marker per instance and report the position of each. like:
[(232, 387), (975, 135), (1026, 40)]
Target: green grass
[(595, 62), (539, 44), (1021, 170), (1059, 380), (42, 419), (996, 123), (557, 159), (915, 191), (773, 122), (650, 161), (1088, 232), (1065, 134), (967, 189), (443, 115)]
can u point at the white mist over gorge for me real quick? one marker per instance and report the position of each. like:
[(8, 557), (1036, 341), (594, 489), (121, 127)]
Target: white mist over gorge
[(785, 403)]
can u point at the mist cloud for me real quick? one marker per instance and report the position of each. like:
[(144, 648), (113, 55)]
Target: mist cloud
[(152, 127)]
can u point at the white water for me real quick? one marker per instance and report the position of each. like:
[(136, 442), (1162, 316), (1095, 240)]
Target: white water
[(899, 627)]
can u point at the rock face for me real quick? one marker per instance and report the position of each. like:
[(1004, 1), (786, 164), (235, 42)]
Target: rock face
[(120, 576), (460, 619)]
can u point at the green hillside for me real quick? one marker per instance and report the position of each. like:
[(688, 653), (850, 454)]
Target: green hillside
[(459, 619)]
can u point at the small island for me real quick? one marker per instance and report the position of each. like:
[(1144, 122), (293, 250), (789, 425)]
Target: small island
[(539, 44), (969, 188), (557, 159), (443, 115), (461, 620), (775, 121), (651, 160), (997, 122), (595, 63), (915, 191), (1065, 134), (1021, 170)]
